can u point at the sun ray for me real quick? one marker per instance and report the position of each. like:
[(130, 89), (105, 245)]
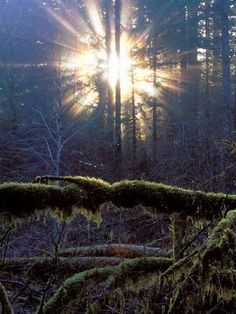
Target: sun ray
[(65, 25), (94, 13), (89, 59)]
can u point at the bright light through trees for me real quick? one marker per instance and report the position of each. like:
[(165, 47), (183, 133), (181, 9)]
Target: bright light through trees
[(90, 58)]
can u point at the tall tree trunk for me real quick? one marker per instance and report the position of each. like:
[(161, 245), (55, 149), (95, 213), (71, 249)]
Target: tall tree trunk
[(118, 85), (208, 120), (101, 87), (235, 98), (207, 30), (108, 42), (134, 129), (154, 105), (207, 64), (222, 11), (183, 79), (193, 68), (222, 7)]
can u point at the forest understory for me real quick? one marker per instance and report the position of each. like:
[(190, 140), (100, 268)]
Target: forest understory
[(122, 258)]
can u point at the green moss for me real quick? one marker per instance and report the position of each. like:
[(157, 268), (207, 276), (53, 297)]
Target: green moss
[(24, 199), (210, 271), (90, 194), (169, 199), (204, 270), (222, 240), (73, 286), (83, 182)]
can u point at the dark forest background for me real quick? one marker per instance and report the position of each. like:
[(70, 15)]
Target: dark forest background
[(179, 136)]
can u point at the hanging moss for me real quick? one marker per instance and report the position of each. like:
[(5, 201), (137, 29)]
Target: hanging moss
[(203, 279), (210, 270), (169, 199), (89, 194), (5, 306), (24, 199), (221, 241)]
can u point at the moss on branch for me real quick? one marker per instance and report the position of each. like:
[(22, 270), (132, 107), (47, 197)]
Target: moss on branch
[(210, 271), (74, 287), (22, 199)]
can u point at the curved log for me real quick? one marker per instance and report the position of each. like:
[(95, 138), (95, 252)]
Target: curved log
[(74, 286)]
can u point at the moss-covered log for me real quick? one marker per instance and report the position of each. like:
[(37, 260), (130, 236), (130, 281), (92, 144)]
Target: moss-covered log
[(74, 287), (198, 282), (88, 193), (122, 250), (221, 244)]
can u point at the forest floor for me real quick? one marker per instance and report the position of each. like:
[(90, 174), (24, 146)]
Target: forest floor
[(33, 271)]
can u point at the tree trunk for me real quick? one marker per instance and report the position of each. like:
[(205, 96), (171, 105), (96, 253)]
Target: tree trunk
[(208, 113), (234, 98), (108, 42), (222, 7), (154, 105), (134, 128), (118, 87)]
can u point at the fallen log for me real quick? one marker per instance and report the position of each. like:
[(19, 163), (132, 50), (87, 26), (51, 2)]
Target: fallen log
[(87, 195), (46, 265), (208, 273), (120, 250)]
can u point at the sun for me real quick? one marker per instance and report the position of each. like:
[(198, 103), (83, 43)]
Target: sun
[(119, 68), (91, 64), (89, 61)]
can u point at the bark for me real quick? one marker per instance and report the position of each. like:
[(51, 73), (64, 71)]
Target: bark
[(118, 85), (193, 73), (222, 7), (234, 98), (178, 229), (134, 124), (108, 42), (154, 105), (208, 113), (100, 113), (183, 79)]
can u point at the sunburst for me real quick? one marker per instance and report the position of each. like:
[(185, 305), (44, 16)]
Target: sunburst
[(90, 58)]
